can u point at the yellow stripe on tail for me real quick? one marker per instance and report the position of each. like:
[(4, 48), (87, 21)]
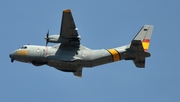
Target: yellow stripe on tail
[(115, 54), (145, 44)]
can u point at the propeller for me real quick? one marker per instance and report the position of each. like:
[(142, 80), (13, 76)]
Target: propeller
[(47, 37)]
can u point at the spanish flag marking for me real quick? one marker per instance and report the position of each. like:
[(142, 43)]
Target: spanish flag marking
[(145, 44)]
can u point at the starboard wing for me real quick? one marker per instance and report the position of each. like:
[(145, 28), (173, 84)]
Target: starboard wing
[(68, 31)]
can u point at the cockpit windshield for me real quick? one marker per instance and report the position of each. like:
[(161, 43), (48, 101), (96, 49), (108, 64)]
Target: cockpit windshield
[(24, 47)]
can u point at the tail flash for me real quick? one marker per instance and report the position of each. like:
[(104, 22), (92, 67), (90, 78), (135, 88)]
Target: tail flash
[(145, 35)]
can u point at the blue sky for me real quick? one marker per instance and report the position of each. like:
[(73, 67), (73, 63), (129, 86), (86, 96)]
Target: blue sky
[(101, 24)]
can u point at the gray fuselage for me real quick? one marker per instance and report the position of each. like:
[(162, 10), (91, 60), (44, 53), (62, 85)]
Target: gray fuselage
[(64, 59)]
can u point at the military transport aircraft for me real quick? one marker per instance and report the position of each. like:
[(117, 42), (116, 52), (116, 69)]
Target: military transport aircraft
[(70, 56)]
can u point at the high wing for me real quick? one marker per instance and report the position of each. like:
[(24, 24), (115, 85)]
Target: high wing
[(70, 43), (68, 31)]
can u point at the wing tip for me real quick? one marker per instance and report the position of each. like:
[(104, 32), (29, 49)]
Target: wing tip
[(67, 10)]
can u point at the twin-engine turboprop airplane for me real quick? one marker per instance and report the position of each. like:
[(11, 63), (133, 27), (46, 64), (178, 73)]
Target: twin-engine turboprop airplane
[(71, 56)]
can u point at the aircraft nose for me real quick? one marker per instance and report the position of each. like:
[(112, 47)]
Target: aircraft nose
[(10, 55)]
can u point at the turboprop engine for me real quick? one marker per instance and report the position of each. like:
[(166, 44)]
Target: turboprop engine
[(58, 39)]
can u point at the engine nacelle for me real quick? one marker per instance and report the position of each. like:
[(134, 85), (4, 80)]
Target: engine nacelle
[(53, 38), (58, 39)]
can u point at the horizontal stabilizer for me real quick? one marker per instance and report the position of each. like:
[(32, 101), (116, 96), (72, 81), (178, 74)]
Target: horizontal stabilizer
[(139, 62), (138, 54)]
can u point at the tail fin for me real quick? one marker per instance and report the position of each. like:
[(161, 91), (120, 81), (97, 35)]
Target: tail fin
[(145, 35), (139, 46)]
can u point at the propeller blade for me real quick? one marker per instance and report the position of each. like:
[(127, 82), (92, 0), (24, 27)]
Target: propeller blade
[(47, 37), (46, 42), (47, 34)]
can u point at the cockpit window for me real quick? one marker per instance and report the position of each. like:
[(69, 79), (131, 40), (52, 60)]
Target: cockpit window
[(24, 47)]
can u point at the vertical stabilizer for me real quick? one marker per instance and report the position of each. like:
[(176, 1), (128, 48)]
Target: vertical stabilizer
[(145, 35)]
